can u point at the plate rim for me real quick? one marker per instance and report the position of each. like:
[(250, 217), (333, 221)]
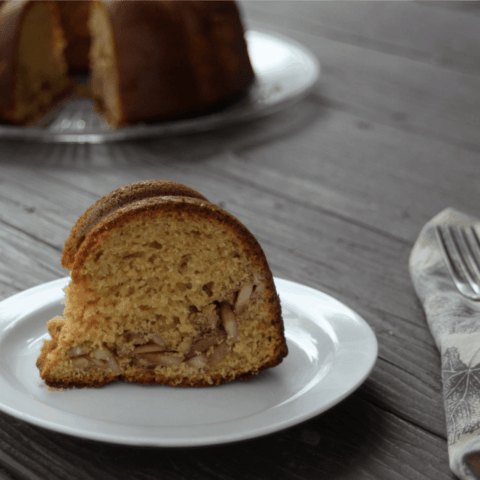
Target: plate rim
[(204, 123), (220, 437)]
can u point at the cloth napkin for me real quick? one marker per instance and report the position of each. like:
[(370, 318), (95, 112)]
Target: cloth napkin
[(455, 325)]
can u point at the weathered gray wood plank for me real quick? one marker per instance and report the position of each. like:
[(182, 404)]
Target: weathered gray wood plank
[(25, 262), (382, 86), (340, 170), (409, 30)]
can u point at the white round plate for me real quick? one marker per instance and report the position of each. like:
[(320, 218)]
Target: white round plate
[(331, 352), (285, 71)]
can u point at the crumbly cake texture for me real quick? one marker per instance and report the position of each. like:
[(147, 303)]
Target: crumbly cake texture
[(33, 70), (169, 290)]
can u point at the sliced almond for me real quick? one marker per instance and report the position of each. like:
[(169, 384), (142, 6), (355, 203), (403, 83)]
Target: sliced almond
[(158, 339), (101, 354), (114, 367), (259, 282), (105, 355), (162, 359), (243, 296), (260, 287), (229, 321), (148, 348), (185, 345), (99, 363), (219, 353), (77, 351), (202, 344), (198, 361), (80, 363)]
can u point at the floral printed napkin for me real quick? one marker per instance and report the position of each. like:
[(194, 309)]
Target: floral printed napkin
[(455, 325)]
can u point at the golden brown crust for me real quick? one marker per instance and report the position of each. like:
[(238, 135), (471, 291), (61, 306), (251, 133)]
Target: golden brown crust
[(156, 379), (115, 200), (201, 42)]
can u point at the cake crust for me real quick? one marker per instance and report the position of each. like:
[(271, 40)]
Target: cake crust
[(113, 201)]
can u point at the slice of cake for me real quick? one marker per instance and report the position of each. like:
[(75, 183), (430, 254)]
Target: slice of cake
[(167, 288), (33, 70)]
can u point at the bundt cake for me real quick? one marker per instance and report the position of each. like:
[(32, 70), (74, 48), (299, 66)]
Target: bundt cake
[(155, 60), (166, 288), (148, 60), (33, 70)]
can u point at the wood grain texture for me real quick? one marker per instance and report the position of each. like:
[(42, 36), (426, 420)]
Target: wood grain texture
[(336, 189)]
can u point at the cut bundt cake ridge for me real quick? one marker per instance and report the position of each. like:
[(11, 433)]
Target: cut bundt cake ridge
[(169, 290), (158, 60)]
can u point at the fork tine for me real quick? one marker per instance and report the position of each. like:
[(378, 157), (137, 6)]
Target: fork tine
[(464, 287), (446, 255), (472, 243), (467, 253)]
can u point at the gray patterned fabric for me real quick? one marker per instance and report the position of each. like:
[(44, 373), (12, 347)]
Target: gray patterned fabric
[(455, 325)]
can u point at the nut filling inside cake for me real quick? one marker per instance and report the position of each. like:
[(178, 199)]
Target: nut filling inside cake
[(217, 332), (173, 298)]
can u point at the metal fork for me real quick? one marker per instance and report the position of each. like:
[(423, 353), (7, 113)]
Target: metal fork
[(461, 250)]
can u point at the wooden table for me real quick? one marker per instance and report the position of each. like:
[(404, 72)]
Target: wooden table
[(336, 189)]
